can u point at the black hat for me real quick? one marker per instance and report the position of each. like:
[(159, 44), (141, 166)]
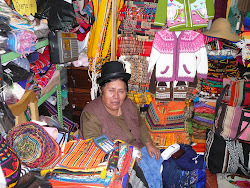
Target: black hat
[(112, 70)]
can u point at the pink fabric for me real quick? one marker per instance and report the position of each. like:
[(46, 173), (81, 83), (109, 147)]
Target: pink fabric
[(190, 41)]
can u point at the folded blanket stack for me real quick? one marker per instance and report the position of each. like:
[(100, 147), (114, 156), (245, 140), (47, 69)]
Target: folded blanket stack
[(203, 119)]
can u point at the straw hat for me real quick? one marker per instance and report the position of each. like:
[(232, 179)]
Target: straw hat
[(221, 28)]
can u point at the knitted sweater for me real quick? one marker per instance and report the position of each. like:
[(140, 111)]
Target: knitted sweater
[(109, 126), (184, 14), (178, 58)]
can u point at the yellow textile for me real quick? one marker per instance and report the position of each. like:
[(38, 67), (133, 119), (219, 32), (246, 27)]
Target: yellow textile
[(100, 37), (25, 7), (228, 8)]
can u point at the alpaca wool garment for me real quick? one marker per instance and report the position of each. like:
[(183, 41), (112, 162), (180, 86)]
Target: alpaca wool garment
[(34, 146), (178, 56)]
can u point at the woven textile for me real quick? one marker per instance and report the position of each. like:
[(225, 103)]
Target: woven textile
[(82, 154), (165, 124), (130, 44), (203, 119), (9, 163), (34, 146), (138, 17)]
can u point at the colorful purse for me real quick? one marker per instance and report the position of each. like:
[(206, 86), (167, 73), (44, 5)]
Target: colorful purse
[(231, 122)]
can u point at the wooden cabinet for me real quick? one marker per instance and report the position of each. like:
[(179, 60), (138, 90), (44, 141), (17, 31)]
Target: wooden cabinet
[(79, 86)]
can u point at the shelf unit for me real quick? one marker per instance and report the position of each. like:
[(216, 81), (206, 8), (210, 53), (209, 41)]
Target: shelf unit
[(12, 55)]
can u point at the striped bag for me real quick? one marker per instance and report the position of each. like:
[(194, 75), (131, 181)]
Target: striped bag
[(231, 122), (240, 92)]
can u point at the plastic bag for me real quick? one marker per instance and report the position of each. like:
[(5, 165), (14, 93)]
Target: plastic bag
[(60, 14)]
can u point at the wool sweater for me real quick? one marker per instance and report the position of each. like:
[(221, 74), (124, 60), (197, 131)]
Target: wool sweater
[(129, 127), (184, 14), (178, 57)]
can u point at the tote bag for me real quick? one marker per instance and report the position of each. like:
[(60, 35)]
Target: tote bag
[(223, 156), (231, 122)]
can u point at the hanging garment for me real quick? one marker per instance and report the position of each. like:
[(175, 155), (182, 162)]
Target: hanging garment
[(184, 14), (178, 56), (100, 37)]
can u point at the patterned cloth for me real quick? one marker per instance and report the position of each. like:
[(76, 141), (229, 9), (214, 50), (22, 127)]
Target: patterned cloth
[(203, 119), (165, 122), (82, 154), (10, 163), (34, 146), (138, 17)]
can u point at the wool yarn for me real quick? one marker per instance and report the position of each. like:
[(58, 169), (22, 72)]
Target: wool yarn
[(34, 146)]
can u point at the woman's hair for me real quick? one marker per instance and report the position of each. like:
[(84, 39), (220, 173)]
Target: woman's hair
[(110, 80)]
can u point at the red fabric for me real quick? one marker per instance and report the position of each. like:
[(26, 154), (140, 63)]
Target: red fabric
[(220, 8)]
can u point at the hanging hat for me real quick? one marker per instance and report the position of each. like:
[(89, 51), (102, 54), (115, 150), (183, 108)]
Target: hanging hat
[(113, 70), (34, 146), (221, 28)]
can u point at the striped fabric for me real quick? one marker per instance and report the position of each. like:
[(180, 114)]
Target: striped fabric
[(83, 154), (237, 93), (66, 122), (165, 122), (227, 121)]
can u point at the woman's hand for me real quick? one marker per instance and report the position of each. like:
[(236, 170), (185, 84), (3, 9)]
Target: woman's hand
[(153, 150)]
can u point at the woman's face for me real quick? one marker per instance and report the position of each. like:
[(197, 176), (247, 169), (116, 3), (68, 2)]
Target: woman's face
[(113, 95)]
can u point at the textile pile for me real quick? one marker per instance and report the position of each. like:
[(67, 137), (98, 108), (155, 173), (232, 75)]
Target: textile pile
[(85, 164), (165, 123)]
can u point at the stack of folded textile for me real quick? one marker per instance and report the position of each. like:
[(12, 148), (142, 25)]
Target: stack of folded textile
[(165, 122), (86, 165), (80, 165), (203, 119)]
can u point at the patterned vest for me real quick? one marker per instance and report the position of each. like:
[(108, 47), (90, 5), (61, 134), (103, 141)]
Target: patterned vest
[(110, 127)]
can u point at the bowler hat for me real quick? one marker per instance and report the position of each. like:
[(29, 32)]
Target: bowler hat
[(112, 70)]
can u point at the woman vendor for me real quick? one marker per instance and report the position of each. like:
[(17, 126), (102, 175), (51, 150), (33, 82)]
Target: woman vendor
[(113, 114)]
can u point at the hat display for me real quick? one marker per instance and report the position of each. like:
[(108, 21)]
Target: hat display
[(113, 70), (34, 146), (221, 28)]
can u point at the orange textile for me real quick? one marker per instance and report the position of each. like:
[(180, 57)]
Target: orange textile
[(62, 184), (83, 154)]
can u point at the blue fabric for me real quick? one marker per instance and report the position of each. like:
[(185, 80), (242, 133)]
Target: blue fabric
[(201, 177), (214, 57), (246, 22), (22, 83), (190, 160), (151, 169), (173, 176)]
